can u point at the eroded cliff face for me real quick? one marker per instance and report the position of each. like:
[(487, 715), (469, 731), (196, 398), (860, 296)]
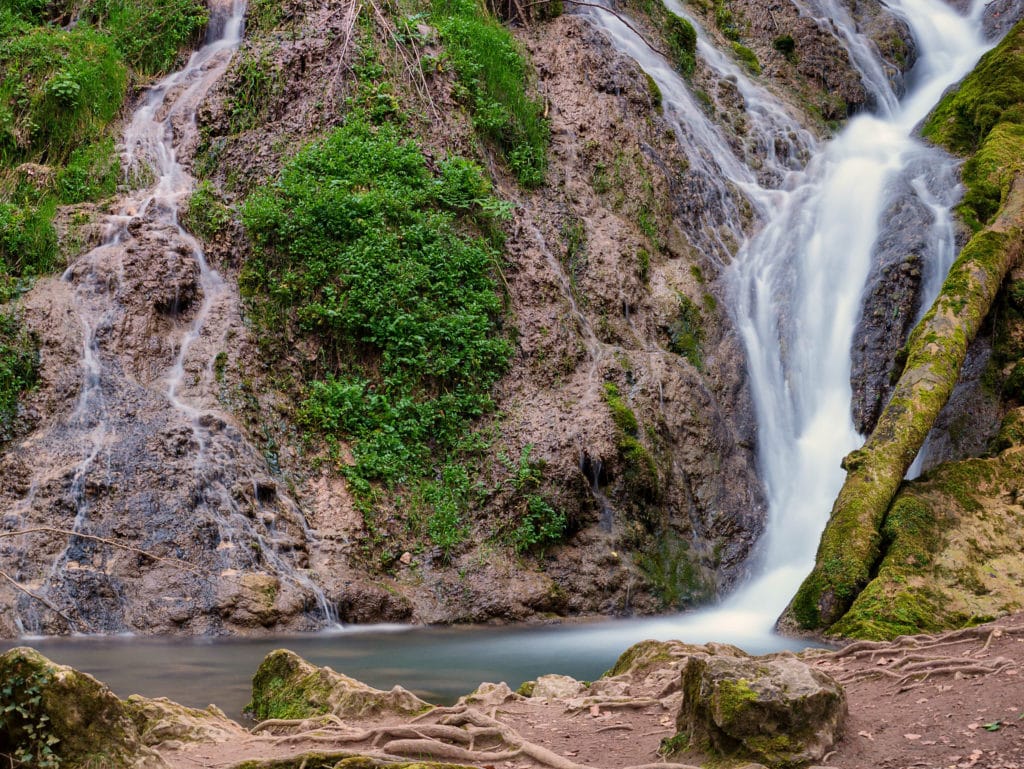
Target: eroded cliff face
[(165, 476)]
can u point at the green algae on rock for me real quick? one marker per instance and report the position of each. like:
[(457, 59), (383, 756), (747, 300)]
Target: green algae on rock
[(953, 552), (286, 686), (52, 715)]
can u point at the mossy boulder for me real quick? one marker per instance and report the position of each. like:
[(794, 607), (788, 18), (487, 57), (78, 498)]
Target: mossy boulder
[(286, 686), (778, 711), (53, 713)]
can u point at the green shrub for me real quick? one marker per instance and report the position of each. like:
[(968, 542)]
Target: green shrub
[(19, 360), (149, 33), (492, 74), (786, 45), (92, 173), (361, 247), (28, 243), (206, 215), (540, 525), (686, 332)]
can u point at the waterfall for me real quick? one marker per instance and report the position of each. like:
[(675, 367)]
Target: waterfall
[(797, 282), (154, 458)]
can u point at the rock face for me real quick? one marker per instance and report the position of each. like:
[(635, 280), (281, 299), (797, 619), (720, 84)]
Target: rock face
[(779, 711), (286, 686)]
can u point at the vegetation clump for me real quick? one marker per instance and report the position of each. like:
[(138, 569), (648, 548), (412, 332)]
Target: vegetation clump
[(363, 250), (19, 362), (492, 77)]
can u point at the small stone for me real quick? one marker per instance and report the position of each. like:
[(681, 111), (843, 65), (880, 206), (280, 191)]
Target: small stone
[(406, 558)]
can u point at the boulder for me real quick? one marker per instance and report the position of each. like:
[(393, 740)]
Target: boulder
[(167, 725), (775, 710), (286, 686), (51, 713), (556, 687)]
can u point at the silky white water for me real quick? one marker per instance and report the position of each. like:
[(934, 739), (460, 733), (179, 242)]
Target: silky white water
[(797, 282)]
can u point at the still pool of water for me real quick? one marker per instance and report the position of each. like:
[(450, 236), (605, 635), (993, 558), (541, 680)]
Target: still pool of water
[(438, 664)]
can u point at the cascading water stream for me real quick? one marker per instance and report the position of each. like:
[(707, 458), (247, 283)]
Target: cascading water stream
[(797, 282), (158, 416)]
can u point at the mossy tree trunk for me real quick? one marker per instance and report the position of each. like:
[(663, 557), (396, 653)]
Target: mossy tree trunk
[(935, 352)]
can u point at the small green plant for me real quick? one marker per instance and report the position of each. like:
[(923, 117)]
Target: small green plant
[(622, 414), (682, 42), (747, 58), (206, 215), (786, 45), (26, 739), (19, 362), (540, 525), (686, 332), (725, 21)]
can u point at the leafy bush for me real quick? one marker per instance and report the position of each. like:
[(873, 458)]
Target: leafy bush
[(206, 215), (540, 525), (492, 76), (359, 246), (786, 45), (92, 173), (686, 332), (28, 243)]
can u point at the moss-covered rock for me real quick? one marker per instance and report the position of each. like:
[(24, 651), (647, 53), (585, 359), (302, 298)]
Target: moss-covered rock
[(778, 711), (53, 715), (952, 554), (286, 686)]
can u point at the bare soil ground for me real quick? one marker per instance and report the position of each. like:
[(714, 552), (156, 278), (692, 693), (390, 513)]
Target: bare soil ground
[(949, 701)]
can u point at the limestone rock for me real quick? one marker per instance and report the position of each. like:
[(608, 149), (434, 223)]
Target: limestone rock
[(778, 711), (286, 686), (488, 695), (161, 722), (66, 714), (556, 687)]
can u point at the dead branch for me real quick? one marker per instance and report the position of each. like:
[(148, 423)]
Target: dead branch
[(113, 543), (35, 596), (606, 9)]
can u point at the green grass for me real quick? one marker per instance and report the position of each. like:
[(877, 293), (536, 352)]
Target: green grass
[(492, 76), (150, 34), (362, 248), (59, 91)]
